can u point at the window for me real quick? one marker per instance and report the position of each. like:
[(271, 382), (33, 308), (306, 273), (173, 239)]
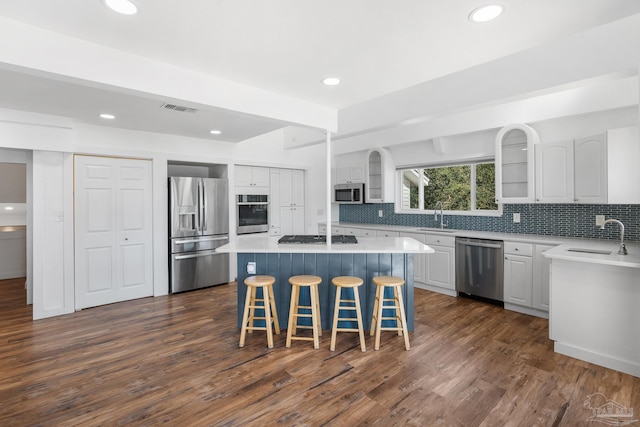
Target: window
[(468, 187)]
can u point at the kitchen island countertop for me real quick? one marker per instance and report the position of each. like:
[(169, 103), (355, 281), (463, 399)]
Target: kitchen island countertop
[(267, 244)]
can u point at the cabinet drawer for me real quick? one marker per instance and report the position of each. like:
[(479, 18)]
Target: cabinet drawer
[(384, 233), (368, 233), (512, 248), (438, 240)]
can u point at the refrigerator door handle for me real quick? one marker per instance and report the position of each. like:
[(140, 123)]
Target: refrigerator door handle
[(195, 255), (203, 205), (197, 225), (202, 239)]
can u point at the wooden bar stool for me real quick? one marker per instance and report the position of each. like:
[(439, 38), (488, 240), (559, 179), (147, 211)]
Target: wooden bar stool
[(312, 283), (268, 306), (383, 282), (340, 283)]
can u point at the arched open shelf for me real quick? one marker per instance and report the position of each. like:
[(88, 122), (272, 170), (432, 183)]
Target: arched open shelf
[(515, 164)]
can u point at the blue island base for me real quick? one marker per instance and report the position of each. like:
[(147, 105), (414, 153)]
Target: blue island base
[(327, 266)]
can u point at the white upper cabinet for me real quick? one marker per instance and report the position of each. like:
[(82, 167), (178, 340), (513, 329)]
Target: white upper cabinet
[(554, 172), (597, 169), (379, 177), (349, 174), (288, 204), (590, 161), (623, 157), (291, 187), (515, 164), (252, 176)]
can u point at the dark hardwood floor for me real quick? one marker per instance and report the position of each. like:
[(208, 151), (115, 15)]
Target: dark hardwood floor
[(175, 361)]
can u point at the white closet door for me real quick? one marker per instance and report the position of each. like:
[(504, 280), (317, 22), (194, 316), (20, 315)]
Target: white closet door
[(113, 236)]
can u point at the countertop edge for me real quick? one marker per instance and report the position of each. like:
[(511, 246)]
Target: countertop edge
[(561, 252), (371, 245)]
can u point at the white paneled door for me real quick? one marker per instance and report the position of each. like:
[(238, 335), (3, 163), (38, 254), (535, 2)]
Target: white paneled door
[(113, 235)]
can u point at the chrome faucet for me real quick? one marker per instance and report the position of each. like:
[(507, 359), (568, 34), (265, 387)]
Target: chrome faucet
[(435, 214), (623, 248)]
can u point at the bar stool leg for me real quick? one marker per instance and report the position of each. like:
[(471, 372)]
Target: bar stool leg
[(380, 306), (356, 298), (272, 300), (336, 311), (267, 315), (374, 318), (315, 316), (252, 310), (293, 310), (317, 310), (403, 318), (245, 317)]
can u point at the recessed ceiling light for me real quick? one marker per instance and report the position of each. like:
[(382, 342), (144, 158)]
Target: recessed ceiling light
[(125, 7), (486, 13), (215, 132), (8, 208), (107, 116), (331, 81)]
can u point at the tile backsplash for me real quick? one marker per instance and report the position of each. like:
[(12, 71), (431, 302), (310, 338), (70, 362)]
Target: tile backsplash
[(566, 220)]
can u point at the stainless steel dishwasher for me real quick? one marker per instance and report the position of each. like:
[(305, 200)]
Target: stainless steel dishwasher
[(480, 268)]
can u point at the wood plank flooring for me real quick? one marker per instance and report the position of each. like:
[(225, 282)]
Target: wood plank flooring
[(175, 361)]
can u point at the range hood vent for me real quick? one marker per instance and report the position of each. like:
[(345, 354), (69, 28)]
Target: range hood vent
[(180, 108)]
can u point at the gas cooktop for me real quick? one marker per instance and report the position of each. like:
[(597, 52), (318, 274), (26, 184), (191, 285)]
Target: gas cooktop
[(318, 238)]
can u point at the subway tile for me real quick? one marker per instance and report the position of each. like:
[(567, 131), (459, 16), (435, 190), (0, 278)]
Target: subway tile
[(542, 219)]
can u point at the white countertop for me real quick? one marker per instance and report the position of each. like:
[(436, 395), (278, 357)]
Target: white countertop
[(266, 244), (563, 252), (510, 237), (560, 251)]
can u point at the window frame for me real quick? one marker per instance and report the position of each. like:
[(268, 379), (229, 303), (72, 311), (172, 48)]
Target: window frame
[(421, 211)]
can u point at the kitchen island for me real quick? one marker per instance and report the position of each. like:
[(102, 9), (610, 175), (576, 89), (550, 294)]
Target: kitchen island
[(369, 257), (595, 295)]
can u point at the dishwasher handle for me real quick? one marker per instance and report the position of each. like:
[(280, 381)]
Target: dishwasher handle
[(482, 245)]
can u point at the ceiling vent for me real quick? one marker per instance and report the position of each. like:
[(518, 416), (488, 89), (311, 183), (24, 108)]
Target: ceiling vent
[(180, 108)]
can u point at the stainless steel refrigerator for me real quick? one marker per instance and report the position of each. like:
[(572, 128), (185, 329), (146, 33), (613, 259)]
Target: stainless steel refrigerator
[(198, 224)]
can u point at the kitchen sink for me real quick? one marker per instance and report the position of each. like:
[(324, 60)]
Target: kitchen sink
[(589, 251), (439, 230)]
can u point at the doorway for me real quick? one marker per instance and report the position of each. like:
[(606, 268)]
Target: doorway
[(113, 230), (13, 221)]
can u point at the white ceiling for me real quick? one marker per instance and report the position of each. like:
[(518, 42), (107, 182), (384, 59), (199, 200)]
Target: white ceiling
[(376, 47)]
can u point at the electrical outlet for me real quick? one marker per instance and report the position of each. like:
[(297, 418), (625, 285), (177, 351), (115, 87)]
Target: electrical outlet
[(251, 267), (380, 213), (599, 220), (516, 218)]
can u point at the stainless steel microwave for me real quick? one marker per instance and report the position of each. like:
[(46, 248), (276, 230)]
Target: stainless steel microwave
[(352, 193)]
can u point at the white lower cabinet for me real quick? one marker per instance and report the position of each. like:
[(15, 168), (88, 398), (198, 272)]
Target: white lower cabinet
[(440, 265), (526, 278), (518, 280), (419, 261), (541, 270), (435, 271)]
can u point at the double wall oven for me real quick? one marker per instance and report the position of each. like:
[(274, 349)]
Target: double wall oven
[(252, 213)]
